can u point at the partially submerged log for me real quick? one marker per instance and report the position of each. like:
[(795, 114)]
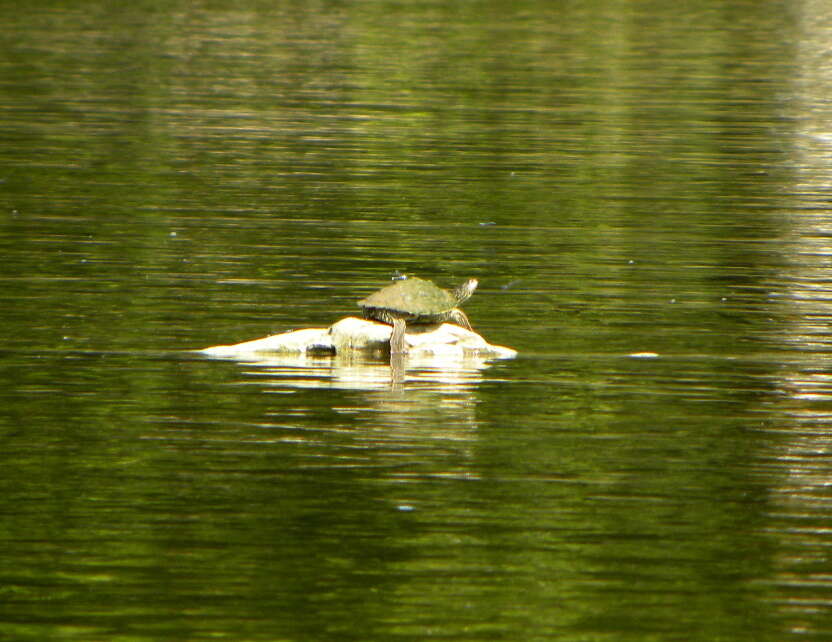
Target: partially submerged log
[(353, 336)]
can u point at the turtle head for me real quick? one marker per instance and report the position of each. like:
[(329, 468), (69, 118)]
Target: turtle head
[(465, 290)]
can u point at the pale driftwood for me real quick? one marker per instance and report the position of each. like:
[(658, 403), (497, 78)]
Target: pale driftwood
[(352, 336)]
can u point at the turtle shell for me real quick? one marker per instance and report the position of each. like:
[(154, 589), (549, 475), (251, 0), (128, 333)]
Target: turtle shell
[(412, 296)]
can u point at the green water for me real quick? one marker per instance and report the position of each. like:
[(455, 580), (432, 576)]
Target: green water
[(624, 178)]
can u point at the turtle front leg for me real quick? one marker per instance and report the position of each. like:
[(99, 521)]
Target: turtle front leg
[(397, 345), (458, 317)]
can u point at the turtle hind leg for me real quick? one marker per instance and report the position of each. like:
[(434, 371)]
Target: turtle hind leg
[(397, 345), (459, 317)]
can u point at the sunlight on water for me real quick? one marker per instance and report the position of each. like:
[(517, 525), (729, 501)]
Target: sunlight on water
[(642, 191)]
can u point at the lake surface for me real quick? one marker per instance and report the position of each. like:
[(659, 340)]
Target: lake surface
[(643, 191)]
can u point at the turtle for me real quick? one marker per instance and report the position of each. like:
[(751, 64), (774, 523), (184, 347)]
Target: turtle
[(415, 300)]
